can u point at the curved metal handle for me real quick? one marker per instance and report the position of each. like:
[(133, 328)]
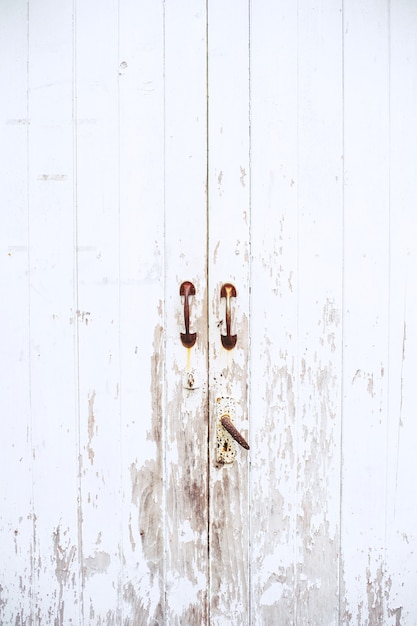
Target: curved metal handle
[(188, 339), (228, 340)]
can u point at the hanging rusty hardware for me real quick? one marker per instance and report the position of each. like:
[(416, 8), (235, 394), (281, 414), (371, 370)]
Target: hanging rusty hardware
[(233, 431), (188, 339), (228, 340), (226, 432)]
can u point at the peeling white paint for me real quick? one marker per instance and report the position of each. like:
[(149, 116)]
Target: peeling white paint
[(98, 563), (187, 533)]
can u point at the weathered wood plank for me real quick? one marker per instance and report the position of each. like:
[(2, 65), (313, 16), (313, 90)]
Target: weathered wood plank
[(142, 266), (16, 509), (229, 262), (273, 326), (319, 285), (53, 380), (401, 510), (97, 315), (185, 369), (365, 588)]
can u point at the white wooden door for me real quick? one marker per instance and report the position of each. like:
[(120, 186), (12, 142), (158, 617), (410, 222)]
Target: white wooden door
[(269, 145)]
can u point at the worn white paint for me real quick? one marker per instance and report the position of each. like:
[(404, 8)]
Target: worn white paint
[(366, 286), (229, 262), (270, 145), (186, 426)]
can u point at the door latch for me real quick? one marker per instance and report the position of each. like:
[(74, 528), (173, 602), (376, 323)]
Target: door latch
[(226, 431)]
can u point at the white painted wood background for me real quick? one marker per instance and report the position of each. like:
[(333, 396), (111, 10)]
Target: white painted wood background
[(269, 144)]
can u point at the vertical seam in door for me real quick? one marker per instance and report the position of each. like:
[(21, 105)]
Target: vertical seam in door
[(76, 319), (207, 287), (249, 369), (297, 366), (30, 431), (341, 573), (120, 611), (388, 279), (164, 341), (397, 441)]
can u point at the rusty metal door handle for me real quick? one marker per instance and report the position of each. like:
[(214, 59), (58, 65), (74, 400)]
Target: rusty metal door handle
[(226, 432), (233, 431), (188, 339), (228, 340)]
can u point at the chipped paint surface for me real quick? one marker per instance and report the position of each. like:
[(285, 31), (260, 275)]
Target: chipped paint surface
[(293, 181)]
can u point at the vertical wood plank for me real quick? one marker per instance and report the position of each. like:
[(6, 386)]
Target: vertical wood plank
[(97, 315), (16, 509), (366, 312), (186, 522), (142, 266), (229, 262), (51, 274), (320, 239), (401, 513), (273, 326)]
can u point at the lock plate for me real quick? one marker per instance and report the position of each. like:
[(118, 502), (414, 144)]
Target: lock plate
[(226, 447)]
